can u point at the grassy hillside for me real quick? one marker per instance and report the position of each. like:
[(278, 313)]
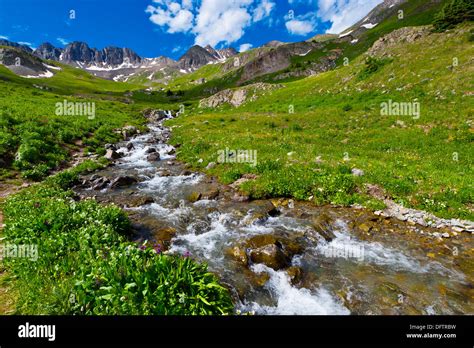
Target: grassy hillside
[(30, 128), (424, 162)]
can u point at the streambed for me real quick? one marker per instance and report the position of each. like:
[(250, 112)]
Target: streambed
[(284, 257)]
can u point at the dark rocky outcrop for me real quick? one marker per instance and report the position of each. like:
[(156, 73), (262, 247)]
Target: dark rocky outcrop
[(48, 51)]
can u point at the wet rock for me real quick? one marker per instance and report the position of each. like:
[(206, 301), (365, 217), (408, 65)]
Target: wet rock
[(112, 155), (259, 279), (270, 255), (138, 201), (164, 172), (110, 147), (130, 146), (150, 150), (365, 227), (171, 152), (256, 218), (295, 274), (239, 254), (164, 236), (100, 183), (185, 173), (322, 224), (212, 193), (153, 157), (194, 197), (123, 181), (267, 207), (275, 252), (94, 178)]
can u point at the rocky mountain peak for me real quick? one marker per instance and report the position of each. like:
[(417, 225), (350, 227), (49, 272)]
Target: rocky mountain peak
[(48, 51)]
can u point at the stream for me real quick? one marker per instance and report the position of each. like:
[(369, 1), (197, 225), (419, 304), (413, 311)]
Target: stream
[(282, 256)]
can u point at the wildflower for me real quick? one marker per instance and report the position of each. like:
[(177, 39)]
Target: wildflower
[(157, 248), (187, 253)]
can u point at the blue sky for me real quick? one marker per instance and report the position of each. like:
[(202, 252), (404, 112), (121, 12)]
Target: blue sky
[(168, 27)]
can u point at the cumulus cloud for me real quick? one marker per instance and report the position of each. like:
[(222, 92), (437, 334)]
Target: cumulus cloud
[(344, 13), (2, 37), (213, 21), (301, 25), (175, 16), (245, 47), (297, 27)]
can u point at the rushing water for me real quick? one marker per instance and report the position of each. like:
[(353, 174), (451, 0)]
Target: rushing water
[(389, 271)]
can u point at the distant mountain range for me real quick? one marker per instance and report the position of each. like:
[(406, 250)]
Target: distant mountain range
[(272, 62)]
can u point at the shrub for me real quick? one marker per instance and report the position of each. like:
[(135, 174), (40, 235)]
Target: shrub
[(453, 13), (372, 65)]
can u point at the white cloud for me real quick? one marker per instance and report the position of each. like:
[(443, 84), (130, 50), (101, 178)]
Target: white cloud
[(3, 37), (62, 41), (344, 13), (245, 47), (213, 22), (298, 27), (301, 25), (176, 16), (263, 10)]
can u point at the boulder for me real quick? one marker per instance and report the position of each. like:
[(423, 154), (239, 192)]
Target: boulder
[(239, 254), (270, 255), (164, 236), (130, 146), (295, 274), (194, 197), (123, 181), (153, 157), (150, 150), (110, 147), (112, 155), (275, 252), (322, 224)]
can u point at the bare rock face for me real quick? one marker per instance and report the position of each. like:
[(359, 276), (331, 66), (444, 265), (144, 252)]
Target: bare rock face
[(237, 97), (48, 51), (402, 35)]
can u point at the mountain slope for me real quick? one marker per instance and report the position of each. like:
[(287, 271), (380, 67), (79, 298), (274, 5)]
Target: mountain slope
[(279, 62), (337, 126)]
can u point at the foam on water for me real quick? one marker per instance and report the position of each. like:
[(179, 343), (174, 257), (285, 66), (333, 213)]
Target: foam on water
[(209, 243), (169, 183), (376, 253), (291, 300)]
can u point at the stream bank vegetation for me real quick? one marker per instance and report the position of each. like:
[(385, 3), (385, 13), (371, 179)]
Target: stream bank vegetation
[(86, 264)]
